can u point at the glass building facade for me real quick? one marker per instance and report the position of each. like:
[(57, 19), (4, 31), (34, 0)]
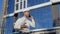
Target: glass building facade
[(43, 16)]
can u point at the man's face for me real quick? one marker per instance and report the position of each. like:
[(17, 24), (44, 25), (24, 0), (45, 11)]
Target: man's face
[(26, 13)]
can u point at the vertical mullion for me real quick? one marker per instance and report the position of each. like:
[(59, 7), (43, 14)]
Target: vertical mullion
[(19, 9), (19, 4), (26, 3), (15, 6), (22, 4)]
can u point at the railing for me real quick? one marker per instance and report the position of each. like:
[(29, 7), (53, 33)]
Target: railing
[(55, 30)]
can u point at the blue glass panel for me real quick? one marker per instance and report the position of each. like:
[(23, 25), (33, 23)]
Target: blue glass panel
[(10, 8), (9, 25), (35, 2), (21, 5), (42, 16)]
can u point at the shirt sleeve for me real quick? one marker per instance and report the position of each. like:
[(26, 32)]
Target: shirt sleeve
[(19, 22), (31, 23)]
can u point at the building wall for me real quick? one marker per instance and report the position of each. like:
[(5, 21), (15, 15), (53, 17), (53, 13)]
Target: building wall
[(42, 16)]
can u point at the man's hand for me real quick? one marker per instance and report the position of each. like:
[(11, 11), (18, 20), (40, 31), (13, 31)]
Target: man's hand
[(22, 26)]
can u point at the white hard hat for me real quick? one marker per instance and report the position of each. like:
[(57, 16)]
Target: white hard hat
[(26, 10)]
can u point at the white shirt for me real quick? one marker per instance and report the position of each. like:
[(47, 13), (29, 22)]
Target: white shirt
[(23, 20)]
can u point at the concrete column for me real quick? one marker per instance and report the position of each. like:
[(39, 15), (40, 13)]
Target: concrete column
[(55, 15), (55, 11)]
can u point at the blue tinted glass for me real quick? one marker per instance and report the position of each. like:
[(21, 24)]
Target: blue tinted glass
[(21, 14), (35, 2), (24, 4), (42, 16), (20, 5), (10, 8), (9, 25)]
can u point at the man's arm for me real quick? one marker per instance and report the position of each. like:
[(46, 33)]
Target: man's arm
[(19, 22), (23, 26), (31, 23)]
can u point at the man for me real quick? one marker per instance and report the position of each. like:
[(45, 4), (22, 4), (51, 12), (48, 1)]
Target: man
[(23, 24)]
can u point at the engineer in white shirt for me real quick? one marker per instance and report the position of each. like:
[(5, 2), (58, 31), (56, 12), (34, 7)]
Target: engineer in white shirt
[(24, 23)]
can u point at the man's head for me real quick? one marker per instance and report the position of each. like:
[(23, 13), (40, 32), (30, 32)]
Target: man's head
[(26, 13)]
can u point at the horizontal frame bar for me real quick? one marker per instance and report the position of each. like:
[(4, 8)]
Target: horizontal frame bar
[(32, 7)]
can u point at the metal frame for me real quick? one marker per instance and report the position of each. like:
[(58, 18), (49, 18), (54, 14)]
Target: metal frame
[(32, 7)]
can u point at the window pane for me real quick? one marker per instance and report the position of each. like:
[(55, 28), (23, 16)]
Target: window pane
[(16, 6), (42, 16), (9, 25), (10, 8), (36, 2), (20, 5)]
